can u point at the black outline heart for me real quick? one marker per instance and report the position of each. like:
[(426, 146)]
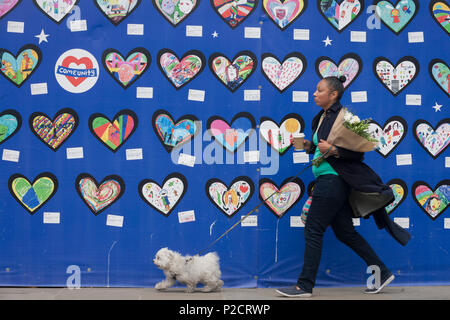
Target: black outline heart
[(42, 175), (172, 175), (167, 19), (120, 21), (289, 55), (127, 112), (193, 52), (188, 117), (295, 180), (420, 121), (50, 17), (405, 58), (404, 27), (413, 193), (405, 192), (241, 53), (432, 2), (140, 50), (339, 31), (243, 19), (65, 110), (393, 118), (430, 68), (18, 118), (237, 116), (346, 56), (25, 47), (290, 115), (305, 6), (240, 178), (18, 1), (110, 177)]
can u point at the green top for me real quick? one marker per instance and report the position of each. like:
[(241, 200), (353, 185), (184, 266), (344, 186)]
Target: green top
[(324, 167)]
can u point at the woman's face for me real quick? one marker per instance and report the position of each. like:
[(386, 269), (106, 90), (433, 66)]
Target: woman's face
[(323, 96)]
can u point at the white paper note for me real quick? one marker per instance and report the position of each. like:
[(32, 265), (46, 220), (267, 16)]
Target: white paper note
[(250, 221), (186, 159), (404, 159), (11, 155), (300, 157), (38, 88), (300, 96), (252, 95), (114, 220), (15, 27), (402, 222), (194, 31), (296, 222), (134, 154), (135, 29), (186, 216), (413, 100), (78, 25), (144, 92), (196, 95), (359, 96), (415, 37), (447, 162), (446, 223), (301, 34), (252, 32), (358, 36), (251, 156), (52, 217), (75, 153)]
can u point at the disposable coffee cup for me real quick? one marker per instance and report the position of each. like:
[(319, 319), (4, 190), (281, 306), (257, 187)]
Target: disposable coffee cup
[(299, 139)]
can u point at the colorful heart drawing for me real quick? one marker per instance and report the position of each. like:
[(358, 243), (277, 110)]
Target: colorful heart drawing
[(99, 196), (400, 191), (230, 199), (283, 13), (6, 6), (398, 17), (440, 11), (165, 198), (340, 16), (434, 141), (397, 78), (173, 134), (234, 12), (440, 73), (390, 135), (126, 70), (113, 134), (349, 66), (19, 68), (32, 196), (283, 75), (10, 123), (175, 11), (116, 11), (179, 73), (433, 203), (54, 133), (233, 74), (281, 136), (231, 138), (56, 10), (280, 200)]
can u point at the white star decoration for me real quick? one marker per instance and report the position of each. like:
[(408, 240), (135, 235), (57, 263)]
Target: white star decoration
[(42, 36), (327, 41), (215, 34), (437, 107)]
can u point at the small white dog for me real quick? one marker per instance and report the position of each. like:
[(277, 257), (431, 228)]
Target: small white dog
[(188, 270)]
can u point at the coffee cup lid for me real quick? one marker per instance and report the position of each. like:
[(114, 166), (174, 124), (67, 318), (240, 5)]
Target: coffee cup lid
[(299, 135)]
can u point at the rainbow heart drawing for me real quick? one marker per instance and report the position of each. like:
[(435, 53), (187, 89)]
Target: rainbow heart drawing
[(434, 141), (440, 73), (7, 6), (350, 66), (10, 123), (234, 12), (283, 75), (280, 200), (32, 196), (440, 11), (17, 69), (116, 11), (175, 11), (397, 17), (390, 135), (400, 190), (433, 203), (340, 15), (283, 13), (56, 10)]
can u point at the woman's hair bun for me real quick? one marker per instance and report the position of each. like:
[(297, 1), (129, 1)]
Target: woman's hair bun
[(342, 79)]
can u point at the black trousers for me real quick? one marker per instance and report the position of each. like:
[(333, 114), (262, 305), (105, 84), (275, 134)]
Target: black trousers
[(330, 206)]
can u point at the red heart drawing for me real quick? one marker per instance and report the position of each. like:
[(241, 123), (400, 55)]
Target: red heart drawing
[(83, 61)]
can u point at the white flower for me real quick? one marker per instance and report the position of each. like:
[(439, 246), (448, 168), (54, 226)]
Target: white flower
[(348, 116), (354, 119)]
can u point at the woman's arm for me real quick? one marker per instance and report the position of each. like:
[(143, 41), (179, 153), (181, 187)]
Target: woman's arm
[(339, 152)]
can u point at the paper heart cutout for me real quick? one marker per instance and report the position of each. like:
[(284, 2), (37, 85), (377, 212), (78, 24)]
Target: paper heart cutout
[(390, 135), (230, 199), (349, 66), (32, 196), (233, 74), (340, 16), (175, 11), (400, 191), (99, 196), (180, 73), (283, 75), (171, 133), (56, 10), (54, 132), (283, 13), (440, 73), (113, 134), (397, 78), (434, 141), (165, 198), (118, 11), (7, 6), (280, 136), (440, 11), (234, 12), (433, 203), (289, 194), (18, 69), (125, 71), (398, 17), (231, 135), (10, 123)]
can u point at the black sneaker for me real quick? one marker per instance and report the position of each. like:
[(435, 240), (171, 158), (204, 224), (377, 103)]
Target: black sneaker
[(384, 282), (293, 292)]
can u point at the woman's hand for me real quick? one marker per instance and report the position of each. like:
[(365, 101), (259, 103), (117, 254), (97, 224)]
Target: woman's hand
[(324, 146), (307, 145)]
